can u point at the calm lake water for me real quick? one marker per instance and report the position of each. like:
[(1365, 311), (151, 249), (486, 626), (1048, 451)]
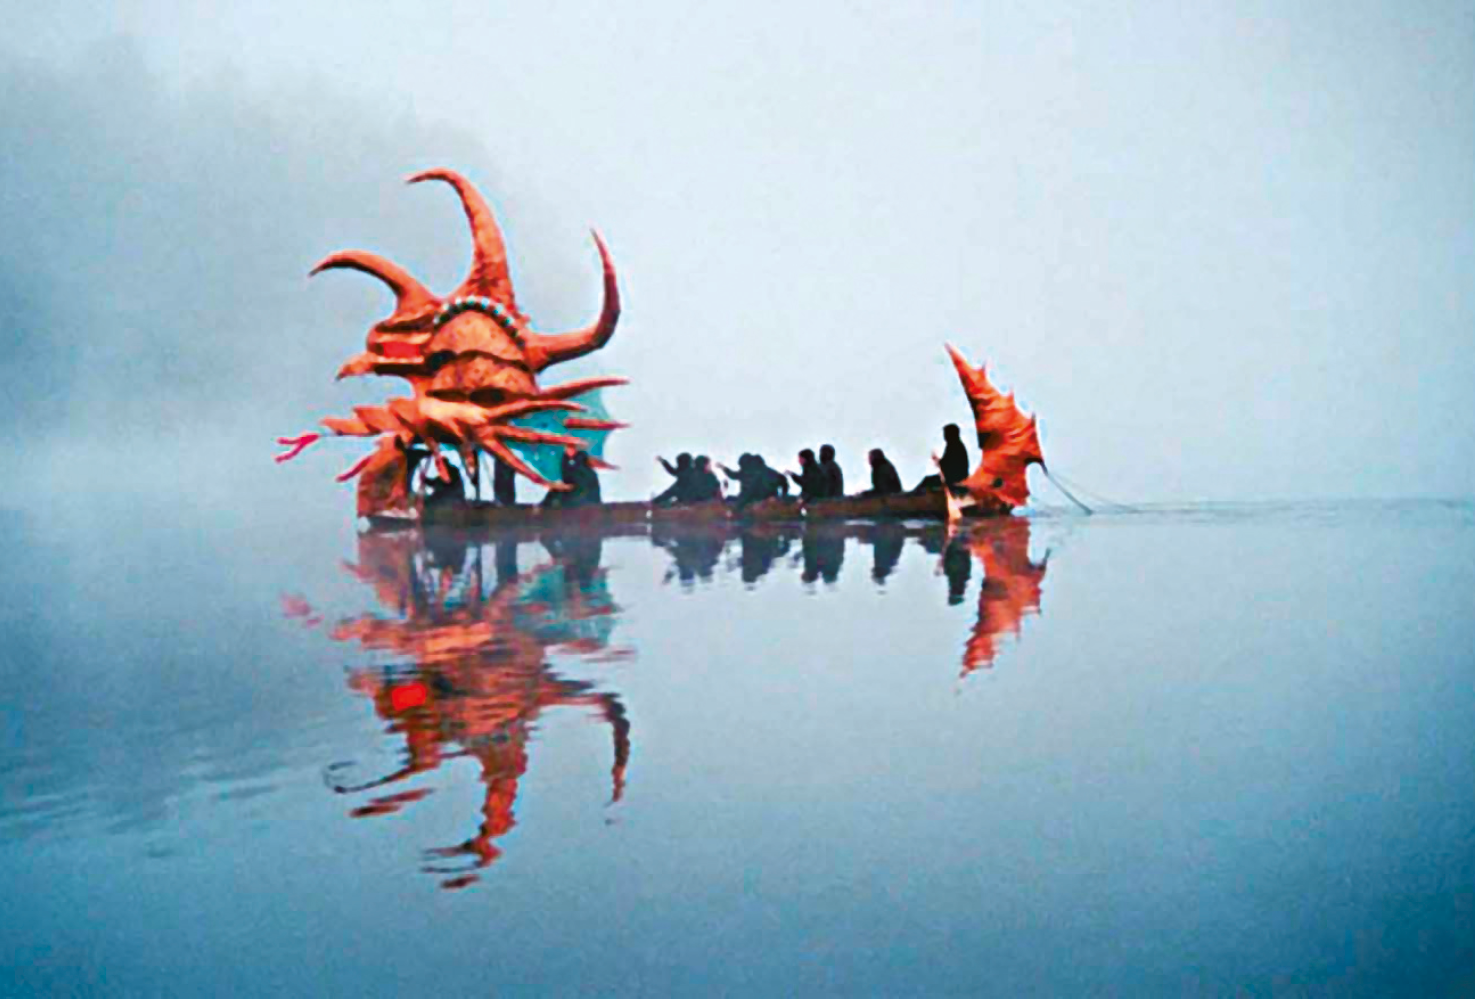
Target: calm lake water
[(1198, 749)]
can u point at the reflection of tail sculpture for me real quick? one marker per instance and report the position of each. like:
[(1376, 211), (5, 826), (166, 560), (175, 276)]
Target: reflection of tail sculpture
[(1011, 587), (477, 676)]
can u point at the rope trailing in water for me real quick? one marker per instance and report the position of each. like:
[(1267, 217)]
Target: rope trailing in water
[(1068, 494), (1101, 500)]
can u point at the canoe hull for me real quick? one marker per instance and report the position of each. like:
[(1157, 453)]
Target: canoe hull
[(926, 505)]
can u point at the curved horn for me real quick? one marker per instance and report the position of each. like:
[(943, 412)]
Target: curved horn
[(409, 294), (551, 349), (489, 275)]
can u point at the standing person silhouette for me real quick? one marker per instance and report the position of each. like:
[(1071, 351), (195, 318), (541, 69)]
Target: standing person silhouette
[(582, 480), (704, 482), (451, 489), (756, 480), (811, 480), (884, 480), (953, 464), (679, 491), (834, 478), (504, 483)]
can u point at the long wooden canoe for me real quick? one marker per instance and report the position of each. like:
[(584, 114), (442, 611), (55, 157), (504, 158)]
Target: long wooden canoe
[(924, 505)]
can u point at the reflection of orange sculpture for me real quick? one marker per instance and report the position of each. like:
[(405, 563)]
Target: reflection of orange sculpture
[(1011, 587), (1008, 439), (476, 676), (472, 363)]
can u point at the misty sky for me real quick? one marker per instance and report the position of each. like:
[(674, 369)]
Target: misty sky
[(1224, 251)]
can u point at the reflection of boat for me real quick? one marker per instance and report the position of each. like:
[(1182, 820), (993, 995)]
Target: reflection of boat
[(999, 546), (472, 675), (916, 505)]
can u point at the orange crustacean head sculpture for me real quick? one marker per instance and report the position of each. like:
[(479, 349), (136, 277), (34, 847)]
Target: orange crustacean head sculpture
[(472, 361), (1009, 440)]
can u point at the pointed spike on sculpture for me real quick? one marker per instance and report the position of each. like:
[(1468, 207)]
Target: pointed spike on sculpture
[(489, 274), (295, 445), (409, 294), (582, 385), (578, 423), (548, 349), (359, 364), (609, 312), (356, 468), (501, 451), (522, 407), (516, 433)]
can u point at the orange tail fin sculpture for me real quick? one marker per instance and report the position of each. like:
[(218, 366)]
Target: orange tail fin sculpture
[(1009, 440)]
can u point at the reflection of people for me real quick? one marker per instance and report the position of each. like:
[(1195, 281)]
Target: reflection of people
[(886, 539), (580, 555), (446, 553), (504, 562), (834, 478), (760, 547), (695, 546), (884, 480), (823, 546), (957, 565)]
